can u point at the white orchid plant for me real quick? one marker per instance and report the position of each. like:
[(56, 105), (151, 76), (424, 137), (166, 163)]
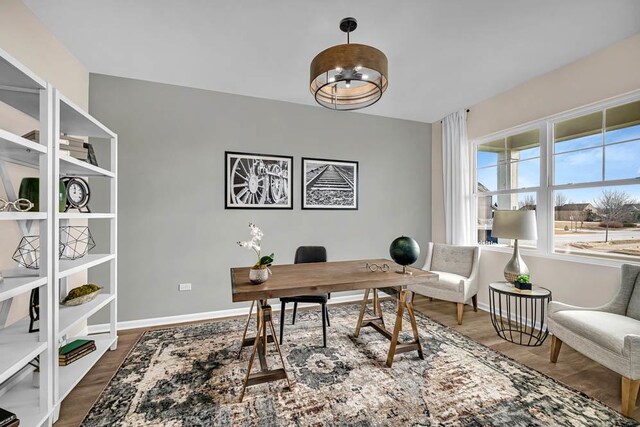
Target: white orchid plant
[(255, 245)]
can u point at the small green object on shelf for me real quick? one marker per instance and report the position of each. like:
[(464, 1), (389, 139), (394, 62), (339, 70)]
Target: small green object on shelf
[(30, 190)]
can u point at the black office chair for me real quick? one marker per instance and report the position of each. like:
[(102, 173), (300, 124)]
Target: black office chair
[(306, 254)]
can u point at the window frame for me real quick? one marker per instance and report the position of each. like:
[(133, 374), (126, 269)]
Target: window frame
[(546, 190)]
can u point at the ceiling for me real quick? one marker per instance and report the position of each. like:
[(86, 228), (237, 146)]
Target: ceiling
[(443, 54)]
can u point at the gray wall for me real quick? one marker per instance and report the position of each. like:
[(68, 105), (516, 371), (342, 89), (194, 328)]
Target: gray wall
[(173, 227)]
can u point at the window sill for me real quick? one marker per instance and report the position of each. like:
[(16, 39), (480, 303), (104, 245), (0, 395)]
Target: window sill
[(578, 259)]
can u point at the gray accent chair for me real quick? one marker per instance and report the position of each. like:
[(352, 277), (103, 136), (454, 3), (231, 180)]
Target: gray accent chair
[(457, 268), (609, 334)]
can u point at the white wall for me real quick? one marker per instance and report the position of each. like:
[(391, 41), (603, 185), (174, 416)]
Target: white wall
[(609, 72), (24, 37)]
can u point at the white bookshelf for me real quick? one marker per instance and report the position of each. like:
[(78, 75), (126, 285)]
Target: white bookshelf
[(70, 119), (32, 403), (38, 404)]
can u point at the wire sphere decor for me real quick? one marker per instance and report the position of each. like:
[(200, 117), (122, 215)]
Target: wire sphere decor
[(75, 242), (28, 252)]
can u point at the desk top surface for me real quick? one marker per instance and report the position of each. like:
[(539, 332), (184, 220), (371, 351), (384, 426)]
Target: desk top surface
[(323, 277)]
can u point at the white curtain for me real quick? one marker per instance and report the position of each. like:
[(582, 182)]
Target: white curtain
[(456, 178)]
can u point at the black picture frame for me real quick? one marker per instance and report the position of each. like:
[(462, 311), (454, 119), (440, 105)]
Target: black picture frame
[(270, 182), (344, 180)]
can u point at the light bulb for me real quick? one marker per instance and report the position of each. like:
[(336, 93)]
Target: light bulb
[(358, 67), (365, 77), (332, 79), (339, 69), (347, 85)]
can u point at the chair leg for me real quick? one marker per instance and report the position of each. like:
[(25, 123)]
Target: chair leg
[(327, 310), (282, 308), (556, 344), (474, 300), (460, 312), (324, 325), (295, 309), (629, 395)]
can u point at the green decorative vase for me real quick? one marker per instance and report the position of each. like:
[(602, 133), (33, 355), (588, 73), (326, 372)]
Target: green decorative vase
[(30, 190)]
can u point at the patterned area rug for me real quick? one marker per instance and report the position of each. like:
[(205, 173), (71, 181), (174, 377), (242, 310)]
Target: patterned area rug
[(191, 376)]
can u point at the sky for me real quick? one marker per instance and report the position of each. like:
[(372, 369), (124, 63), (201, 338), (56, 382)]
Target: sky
[(621, 151)]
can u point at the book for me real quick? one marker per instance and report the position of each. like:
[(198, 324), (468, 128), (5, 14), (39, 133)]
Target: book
[(76, 352), (78, 356), (72, 138), (79, 150), (75, 155), (66, 143), (7, 418), (74, 345), (69, 359)]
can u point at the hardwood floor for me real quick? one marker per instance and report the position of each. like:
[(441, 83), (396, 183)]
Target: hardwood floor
[(572, 368)]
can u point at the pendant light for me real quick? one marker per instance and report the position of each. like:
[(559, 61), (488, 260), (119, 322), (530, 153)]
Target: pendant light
[(348, 76)]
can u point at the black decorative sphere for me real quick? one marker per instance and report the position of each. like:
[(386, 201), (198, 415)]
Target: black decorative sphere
[(404, 250)]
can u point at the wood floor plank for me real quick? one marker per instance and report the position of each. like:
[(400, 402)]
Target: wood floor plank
[(572, 368)]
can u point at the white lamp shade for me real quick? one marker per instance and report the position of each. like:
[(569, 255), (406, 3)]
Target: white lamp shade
[(515, 225)]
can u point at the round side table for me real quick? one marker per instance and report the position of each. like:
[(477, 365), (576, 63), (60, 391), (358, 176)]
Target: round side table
[(511, 309)]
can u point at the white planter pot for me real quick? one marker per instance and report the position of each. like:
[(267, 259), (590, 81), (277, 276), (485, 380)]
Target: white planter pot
[(258, 275)]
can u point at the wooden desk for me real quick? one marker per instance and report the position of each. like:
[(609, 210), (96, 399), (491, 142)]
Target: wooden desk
[(322, 278)]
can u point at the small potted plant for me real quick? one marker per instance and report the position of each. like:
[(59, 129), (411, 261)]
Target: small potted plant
[(260, 271), (522, 282)]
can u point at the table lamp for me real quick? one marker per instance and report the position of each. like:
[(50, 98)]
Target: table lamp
[(515, 225)]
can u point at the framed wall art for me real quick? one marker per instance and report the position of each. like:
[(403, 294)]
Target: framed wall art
[(329, 184), (258, 181)]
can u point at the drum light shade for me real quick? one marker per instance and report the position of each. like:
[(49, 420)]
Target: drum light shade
[(348, 76)]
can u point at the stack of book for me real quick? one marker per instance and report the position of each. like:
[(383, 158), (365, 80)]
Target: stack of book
[(8, 419), (75, 350), (71, 146), (74, 147)]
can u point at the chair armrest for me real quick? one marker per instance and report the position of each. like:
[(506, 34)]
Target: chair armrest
[(471, 285), (555, 307), (632, 351), (632, 348)]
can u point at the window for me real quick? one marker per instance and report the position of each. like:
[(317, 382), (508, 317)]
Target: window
[(508, 169), (579, 171)]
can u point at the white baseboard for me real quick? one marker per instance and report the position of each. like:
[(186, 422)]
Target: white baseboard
[(208, 315)]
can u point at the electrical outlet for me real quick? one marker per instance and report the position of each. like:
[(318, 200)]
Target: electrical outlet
[(184, 287)]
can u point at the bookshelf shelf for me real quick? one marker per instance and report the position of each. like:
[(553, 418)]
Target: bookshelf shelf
[(14, 286), (71, 375), (15, 75), (18, 150), (71, 166), (72, 316), (23, 399), (75, 121), (69, 267), (82, 215), (22, 216), (23, 346)]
